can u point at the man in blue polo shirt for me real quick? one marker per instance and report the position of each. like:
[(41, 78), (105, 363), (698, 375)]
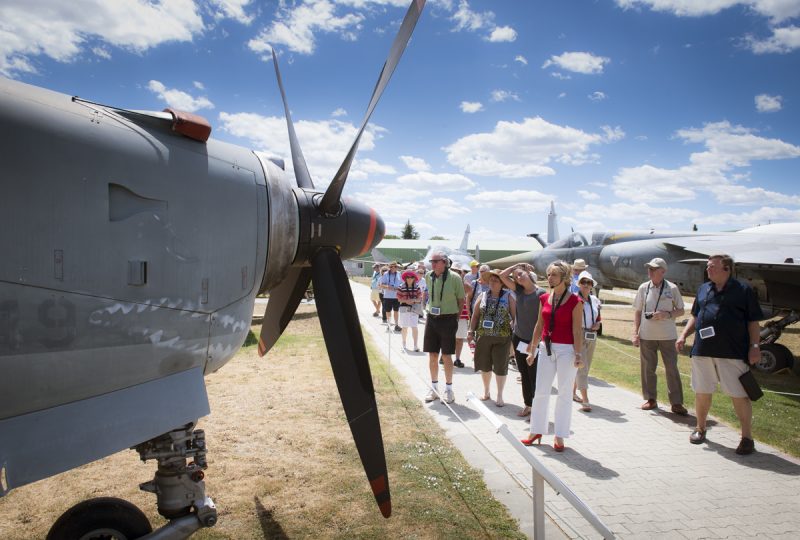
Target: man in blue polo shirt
[(725, 316)]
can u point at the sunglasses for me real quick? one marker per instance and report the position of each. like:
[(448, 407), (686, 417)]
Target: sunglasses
[(585, 282)]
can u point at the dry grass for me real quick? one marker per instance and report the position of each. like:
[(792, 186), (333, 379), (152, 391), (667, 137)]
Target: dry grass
[(282, 463)]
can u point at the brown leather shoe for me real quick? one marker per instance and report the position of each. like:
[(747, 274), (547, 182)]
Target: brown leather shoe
[(678, 408), (746, 446), (649, 405), (698, 436)]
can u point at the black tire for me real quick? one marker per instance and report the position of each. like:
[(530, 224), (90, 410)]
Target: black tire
[(103, 518), (774, 357)]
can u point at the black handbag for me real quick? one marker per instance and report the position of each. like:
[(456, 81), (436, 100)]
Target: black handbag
[(750, 385)]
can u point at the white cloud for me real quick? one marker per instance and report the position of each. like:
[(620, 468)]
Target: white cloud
[(523, 201), (232, 9), (743, 196), (436, 181), (728, 148), (578, 62), (179, 99), (102, 52), (767, 103), (502, 33), (61, 30), (776, 10), (498, 96), (597, 96), (471, 106), (325, 143), (198, 85), (295, 28), (588, 195), (339, 112), (415, 164), (642, 213), (783, 40), (559, 75), (525, 149), (448, 208), (521, 59)]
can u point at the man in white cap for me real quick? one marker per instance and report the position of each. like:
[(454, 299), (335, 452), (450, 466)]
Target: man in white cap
[(658, 302), (578, 266)]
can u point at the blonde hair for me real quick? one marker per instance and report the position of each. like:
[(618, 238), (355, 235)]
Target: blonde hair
[(563, 268)]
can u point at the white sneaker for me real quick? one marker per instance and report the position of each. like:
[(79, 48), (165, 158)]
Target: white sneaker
[(431, 396), (449, 396)]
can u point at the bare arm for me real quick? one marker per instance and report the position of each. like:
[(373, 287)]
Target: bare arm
[(686, 331), (512, 308), (637, 322), (535, 338), (754, 353), (505, 277)]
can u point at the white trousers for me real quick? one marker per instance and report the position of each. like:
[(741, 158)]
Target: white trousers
[(562, 365)]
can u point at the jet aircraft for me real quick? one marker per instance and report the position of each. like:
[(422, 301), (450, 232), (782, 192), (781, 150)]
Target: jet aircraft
[(133, 249), (460, 256), (768, 257)]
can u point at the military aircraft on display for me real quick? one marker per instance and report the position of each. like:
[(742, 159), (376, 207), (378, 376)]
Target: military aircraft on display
[(133, 250), (768, 257), (460, 256)]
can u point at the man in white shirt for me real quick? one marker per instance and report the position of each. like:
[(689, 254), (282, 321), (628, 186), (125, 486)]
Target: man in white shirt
[(658, 302)]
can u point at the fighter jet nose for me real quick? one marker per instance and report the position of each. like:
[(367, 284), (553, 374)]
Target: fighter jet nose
[(365, 229)]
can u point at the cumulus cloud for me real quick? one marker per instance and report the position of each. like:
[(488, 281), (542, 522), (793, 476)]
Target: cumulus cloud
[(471, 106), (523, 201), (179, 99), (415, 163), (295, 27), (325, 143), (578, 62), (61, 30), (102, 52), (502, 33), (783, 40), (231, 9), (761, 216), (521, 59), (436, 181), (775, 10), (729, 148), (339, 112), (588, 195), (642, 214), (448, 208), (526, 149), (767, 103), (597, 96), (498, 96)]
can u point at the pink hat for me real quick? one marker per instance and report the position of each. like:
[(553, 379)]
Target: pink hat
[(409, 274)]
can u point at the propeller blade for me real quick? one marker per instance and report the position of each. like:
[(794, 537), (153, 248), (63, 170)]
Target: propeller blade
[(348, 355), (330, 201), (283, 302), (298, 161)]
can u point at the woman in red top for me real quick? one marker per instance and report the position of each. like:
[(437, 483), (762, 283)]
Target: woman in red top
[(560, 330)]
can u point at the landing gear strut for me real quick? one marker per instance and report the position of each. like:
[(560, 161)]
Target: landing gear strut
[(775, 356), (179, 488)]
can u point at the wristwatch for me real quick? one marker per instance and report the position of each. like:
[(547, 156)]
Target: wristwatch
[(754, 345)]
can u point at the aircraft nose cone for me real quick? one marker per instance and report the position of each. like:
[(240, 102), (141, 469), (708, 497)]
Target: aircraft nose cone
[(365, 230)]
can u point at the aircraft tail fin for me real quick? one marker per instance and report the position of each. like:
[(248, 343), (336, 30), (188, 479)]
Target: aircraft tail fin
[(465, 240), (552, 225), (477, 252)]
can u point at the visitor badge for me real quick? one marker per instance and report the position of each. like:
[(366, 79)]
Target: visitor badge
[(435, 310), (707, 332), (523, 347), (488, 324), (590, 336)]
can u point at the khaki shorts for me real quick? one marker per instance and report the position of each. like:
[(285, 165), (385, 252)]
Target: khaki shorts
[(375, 295), (491, 354), (707, 371)]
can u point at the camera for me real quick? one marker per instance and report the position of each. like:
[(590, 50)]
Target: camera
[(648, 315)]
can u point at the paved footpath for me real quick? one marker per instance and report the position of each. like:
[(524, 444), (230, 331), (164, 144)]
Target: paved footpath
[(635, 469)]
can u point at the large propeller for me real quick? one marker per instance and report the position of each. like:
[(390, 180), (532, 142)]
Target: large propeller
[(331, 230)]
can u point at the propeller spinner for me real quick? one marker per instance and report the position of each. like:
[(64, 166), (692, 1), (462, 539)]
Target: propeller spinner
[(331, 230)]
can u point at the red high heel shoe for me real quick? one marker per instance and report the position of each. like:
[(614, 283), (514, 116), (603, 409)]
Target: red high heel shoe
[(537, 438), (558, 447)]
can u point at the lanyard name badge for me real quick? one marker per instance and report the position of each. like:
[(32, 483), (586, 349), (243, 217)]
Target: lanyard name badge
[(646, 294), (435, 310), (589, 335), (488, 321)]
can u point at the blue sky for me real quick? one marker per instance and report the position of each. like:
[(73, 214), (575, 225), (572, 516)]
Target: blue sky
[(627, 113)]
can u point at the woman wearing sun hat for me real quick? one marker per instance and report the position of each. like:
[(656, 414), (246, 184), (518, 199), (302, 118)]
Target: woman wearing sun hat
[(409, 294), (591, 324)]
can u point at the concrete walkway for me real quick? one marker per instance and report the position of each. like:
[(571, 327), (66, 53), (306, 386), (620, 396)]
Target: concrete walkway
[(636, 469)]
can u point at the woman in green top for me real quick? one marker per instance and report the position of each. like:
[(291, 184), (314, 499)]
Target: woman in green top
[(490, 327)]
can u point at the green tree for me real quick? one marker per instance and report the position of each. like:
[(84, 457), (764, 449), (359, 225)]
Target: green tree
[(391, 237), (437, 237), (409, 232)]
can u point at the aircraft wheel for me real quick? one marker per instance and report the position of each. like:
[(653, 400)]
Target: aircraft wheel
[(103, 518), (774, 357)]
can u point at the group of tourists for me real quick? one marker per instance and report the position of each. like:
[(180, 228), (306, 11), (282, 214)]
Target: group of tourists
[(551, 334)]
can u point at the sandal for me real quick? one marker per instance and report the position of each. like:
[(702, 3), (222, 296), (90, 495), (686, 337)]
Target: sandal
[(585, 407), (524, 412), (486, 397), (576, 398), (500, 403)]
